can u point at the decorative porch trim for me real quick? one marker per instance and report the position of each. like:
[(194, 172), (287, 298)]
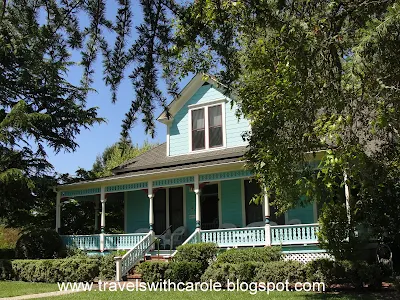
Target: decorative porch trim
[(173, 181), (225, 175), (126, 187), (77, 193)]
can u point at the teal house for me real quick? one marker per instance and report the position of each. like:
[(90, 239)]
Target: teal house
[(193, 188)]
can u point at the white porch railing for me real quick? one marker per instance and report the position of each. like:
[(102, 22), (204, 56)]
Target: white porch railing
[(132, 257), (122, 241), (294, 234), (248, 236), (84, 242)]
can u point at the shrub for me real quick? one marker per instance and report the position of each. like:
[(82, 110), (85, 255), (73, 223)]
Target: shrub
[(184, 271), (344, 272), (236, 256), (107, 266), (7, 253), (280, 271), (203, 253), (218, 273), (55, 270), (152, 271), (39, 244), (5, 269), (221, 272)]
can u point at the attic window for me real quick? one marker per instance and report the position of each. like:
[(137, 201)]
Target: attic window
[(207, 128)]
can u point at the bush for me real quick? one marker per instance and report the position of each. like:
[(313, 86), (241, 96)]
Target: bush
[(39, 244), (107, 266), (344, 272), (7, 253), (280, 271), (5, 270), (221, 272), (55, 270), (203, 253), (8, 237), (236, 256), (184, 271), (152, 271)]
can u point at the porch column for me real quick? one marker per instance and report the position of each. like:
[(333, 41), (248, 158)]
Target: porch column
[(267, 215), (198, 206), (58, 211), (347, 196), (103, 201), (96, 214), (151, 206)]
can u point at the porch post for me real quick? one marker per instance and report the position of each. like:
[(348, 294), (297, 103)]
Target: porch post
[(103, 201), (347, 196), (198, 206), (151, 208), (266, 214), (58, 211), (96, 214)]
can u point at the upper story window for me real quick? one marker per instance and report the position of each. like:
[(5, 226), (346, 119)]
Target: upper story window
[(207, 128)]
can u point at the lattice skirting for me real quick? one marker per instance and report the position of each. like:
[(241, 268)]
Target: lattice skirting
[(306, 257)]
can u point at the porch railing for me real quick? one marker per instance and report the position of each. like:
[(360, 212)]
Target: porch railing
[(84, 242), (122, 241), (132, 257), (248, 236), (294, 234)]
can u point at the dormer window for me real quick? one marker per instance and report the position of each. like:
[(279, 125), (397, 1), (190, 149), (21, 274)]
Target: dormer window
[(207, 127)]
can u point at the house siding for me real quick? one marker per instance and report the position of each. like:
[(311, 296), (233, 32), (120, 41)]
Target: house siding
[(231, 205), (137, 211), (179, 130)]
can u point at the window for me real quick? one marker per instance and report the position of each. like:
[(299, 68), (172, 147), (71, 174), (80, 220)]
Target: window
[(207, 127), (198, 129)]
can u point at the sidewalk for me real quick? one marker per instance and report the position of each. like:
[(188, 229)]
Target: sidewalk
[(42, 295)]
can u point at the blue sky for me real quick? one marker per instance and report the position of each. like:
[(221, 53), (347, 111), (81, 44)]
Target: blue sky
[(93, 141)]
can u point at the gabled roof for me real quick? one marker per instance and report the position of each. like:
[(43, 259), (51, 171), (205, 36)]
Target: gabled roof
[(187, 92), (156, 159)]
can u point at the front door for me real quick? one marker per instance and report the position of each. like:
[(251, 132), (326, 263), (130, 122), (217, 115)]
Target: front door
[(209, 207)]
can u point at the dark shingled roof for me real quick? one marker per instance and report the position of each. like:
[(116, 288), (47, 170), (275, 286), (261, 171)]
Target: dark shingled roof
[(156, 158)]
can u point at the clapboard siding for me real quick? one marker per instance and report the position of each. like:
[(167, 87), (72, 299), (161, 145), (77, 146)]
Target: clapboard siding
[(179, 130)]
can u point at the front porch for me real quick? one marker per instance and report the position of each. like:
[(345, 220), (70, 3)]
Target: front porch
[(275, 235)]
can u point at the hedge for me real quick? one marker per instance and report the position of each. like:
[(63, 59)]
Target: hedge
[(280, 271), (203, 253), (71, 269), (184, 271), (152, 271), (265, 254), (221, 272)]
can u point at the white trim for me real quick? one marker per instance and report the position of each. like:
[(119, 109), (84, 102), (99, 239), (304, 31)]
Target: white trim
[(210, 103), (243, 195), (113, 178), (168, 139), (125, 211), (167, 219), (219, 204), (205, 107)]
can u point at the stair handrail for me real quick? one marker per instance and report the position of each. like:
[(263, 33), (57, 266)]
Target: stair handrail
[(132, 256)]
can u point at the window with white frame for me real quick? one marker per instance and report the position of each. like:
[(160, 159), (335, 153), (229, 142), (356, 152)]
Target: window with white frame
[(207, 127)]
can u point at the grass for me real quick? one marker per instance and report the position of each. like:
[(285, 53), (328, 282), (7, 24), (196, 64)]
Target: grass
[(224, 295), (18, 288)]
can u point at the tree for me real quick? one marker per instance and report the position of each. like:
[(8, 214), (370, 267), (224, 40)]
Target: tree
[(312, 76)]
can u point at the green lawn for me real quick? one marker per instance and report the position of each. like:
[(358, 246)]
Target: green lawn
[(224, 295), (18, 288)]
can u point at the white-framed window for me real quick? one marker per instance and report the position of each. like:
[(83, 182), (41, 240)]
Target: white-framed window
[(207, 126)]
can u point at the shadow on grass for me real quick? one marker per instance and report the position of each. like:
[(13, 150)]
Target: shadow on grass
[(354, 295)]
